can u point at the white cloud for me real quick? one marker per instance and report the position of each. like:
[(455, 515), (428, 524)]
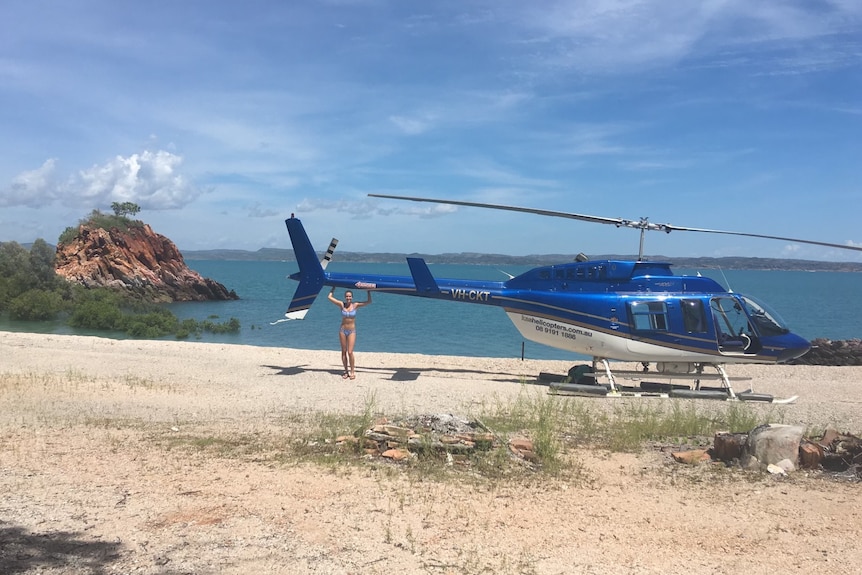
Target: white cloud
[(373, 206), (598, 35), (256, 210), (149, 179), (33, 188)]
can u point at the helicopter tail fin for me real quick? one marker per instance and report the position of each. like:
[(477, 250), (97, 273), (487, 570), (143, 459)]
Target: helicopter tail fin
[(425, 282), (311, 276)]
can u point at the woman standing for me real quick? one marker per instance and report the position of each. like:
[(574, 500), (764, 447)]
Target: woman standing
[(347, 333)]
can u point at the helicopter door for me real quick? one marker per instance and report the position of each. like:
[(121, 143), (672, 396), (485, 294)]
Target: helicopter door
[(693, 316), (733, 330)]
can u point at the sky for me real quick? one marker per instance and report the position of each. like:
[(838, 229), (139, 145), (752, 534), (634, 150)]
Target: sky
[(220, 119)]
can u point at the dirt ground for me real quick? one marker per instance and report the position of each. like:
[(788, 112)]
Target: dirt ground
[(92, 480)]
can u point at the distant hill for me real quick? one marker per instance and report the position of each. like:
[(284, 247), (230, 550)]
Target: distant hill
[(472, 258), (728, 263)]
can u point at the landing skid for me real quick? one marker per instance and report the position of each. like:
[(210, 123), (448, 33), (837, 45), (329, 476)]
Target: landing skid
[(601, 370)]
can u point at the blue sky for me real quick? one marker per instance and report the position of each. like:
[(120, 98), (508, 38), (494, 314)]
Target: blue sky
[(220, 119)]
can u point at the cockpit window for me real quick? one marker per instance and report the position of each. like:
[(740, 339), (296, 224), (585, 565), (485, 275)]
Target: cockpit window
[(765, 320)]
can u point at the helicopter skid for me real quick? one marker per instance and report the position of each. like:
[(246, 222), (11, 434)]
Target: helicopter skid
[(612, 389), (597, 390)]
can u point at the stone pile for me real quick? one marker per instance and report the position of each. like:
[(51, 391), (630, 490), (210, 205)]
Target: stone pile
[(834, 452), (432, 434), (832, 352), (780, 449)]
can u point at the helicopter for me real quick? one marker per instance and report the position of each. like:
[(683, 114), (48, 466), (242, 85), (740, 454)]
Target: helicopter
[(637, 311)]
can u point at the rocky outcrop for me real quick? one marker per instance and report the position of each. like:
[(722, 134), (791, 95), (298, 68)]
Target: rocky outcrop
[(832, 352), (138, 260)]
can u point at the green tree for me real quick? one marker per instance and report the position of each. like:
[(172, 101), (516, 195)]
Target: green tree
[(42, 258), (125, 209), (15, 272), (13, 259)]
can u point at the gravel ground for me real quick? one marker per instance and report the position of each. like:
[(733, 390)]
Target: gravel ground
[(92, 479)]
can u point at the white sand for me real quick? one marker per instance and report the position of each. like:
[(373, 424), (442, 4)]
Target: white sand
[(79, 415)]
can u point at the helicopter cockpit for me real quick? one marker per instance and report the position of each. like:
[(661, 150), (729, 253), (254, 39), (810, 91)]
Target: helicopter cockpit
[(741, 321), (766, 321)]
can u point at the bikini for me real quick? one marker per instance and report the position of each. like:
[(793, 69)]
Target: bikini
[(348, 313)]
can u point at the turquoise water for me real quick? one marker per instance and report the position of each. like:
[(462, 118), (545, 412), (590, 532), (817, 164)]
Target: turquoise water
[(817, 304), (814, 304), (392, 323)]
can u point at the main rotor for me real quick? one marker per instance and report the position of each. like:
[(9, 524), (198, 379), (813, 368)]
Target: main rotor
[(642, 224)]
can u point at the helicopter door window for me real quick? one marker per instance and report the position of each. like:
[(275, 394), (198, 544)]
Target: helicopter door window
[(693, 316), (732, 328), (648, 315)]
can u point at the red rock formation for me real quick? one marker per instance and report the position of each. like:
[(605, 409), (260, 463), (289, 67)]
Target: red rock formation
[(138, 260)]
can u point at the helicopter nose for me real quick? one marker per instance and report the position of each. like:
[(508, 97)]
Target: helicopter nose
[(794, 346)]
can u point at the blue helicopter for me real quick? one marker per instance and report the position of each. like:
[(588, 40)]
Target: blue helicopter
[(607, 309)]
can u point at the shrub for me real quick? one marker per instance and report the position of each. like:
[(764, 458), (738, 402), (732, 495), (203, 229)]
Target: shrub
[(35, 305), (230, 326), (68, 235), (152, 324), (97, 219), (97, 314)]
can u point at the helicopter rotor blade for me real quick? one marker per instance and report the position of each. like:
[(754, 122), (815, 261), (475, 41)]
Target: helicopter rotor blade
[(671, 228), (595, 219), (641, 224)]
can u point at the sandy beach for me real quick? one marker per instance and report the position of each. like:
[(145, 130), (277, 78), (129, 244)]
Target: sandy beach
[(90, 482)]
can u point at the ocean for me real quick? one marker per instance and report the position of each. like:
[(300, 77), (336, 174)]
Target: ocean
[(814, 304)]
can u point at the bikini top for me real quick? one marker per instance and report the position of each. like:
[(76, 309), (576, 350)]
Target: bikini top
[(348, 312)]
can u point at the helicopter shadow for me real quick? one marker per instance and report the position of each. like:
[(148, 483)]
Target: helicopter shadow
[(54, 550), (401, 373)]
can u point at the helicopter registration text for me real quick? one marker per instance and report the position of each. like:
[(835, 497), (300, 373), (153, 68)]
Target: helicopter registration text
[(471, 295)]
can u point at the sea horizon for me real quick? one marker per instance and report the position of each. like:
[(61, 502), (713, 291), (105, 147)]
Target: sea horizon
[(485, 259)]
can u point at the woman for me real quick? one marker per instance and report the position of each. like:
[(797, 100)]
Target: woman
[(347, 333)]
